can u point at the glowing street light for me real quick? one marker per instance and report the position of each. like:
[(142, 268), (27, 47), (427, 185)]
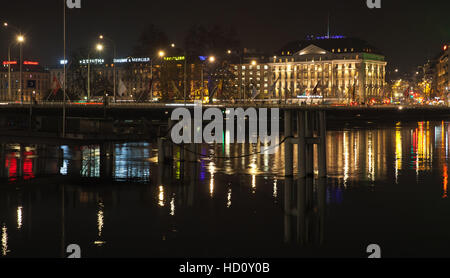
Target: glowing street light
[(99, 48), (212, 59), (101, 37), (254, 63), (161, 54), (21, 40), (172, 45)]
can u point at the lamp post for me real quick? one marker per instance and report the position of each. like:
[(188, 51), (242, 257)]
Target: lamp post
[(114, 58), (161, 54), (20, 40), (230, 52), (9, 71), (211, 59), (99, 48)]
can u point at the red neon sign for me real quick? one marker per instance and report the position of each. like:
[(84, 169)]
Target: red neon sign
[(31, 63), (9, 63)]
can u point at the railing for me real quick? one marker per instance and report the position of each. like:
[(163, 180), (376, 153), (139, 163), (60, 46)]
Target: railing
[(256, 103)]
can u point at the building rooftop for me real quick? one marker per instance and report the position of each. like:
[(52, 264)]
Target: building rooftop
[(331, 44)]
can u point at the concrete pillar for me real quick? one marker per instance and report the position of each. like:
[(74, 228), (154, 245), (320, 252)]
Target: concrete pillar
[(288, 148), (287, 209), (301, 210), (321, 200), (106, 160), (309, 150), (322, 147), (301, 167), (161, 151)]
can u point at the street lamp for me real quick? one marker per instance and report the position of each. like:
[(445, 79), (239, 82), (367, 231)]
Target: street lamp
[(161, 54), (211, 60), (20, 39), (114, 58), (99, 48)]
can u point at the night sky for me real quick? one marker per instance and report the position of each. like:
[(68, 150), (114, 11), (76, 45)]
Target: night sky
[(408, 32)]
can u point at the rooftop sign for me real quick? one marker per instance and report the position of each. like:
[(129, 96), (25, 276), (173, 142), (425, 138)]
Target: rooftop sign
[(132, 60), (177, 58)]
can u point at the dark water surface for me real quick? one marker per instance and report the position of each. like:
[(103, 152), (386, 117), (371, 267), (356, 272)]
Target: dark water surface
[(387, 185)]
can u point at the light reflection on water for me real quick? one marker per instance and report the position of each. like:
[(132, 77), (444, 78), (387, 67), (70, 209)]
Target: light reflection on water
[(237, 199)]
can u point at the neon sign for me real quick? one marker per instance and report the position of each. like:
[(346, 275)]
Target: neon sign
[(31, 63), (9, 63), (176, 58), (92, 61), (132, 60)]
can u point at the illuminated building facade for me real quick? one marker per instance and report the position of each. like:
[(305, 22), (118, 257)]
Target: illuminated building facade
[(134, 78), (442, 72), (253, 79), (330, 67), (35, 81)]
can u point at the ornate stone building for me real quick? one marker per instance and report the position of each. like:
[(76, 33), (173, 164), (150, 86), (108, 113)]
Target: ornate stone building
[(330, 67)]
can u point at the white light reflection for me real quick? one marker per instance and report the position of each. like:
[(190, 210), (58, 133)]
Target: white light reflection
[(229, 198), (100, 219), (100, 223), (4, 240), (371, 157), (172, 206), (63, 169), (275, 189), (19, 217), (346, 159), (253, 184), (212, 171), (253, 172), (161, 196)]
